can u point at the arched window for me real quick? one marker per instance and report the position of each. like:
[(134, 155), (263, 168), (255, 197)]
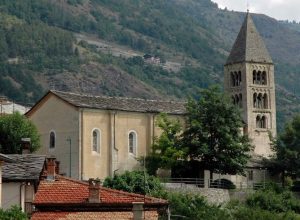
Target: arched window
[(236, 78), (240, 101), (263, 122), (132, 142), (258, 78), (233, 99), (232, 79), (258, 121), (240, 77), (237, 101), (259, 101), (254, 100), (52, 140), (96, 140), (254, 76), (265, 101), (264, 78)]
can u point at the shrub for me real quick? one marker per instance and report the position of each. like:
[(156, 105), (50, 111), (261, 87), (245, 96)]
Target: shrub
[(14, 213), (187, 206), (135, 182), (274, 201)]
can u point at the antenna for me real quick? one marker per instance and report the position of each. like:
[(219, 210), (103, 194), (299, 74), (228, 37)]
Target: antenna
[(248, 6)]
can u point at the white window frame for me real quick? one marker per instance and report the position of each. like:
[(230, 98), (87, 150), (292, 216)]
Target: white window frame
[(135, 146), (98, 150)]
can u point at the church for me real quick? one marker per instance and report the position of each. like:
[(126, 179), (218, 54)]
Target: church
[(96, 137)]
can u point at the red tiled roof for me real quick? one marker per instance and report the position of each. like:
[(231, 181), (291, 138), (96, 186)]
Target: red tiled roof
[(68, 191), (149, 215)]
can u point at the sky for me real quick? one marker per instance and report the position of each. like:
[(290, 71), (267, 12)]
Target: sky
[(279, 9)]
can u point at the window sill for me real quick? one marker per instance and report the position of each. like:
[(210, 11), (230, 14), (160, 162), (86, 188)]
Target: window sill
[(261, 129), (132, 154), (95, 153)]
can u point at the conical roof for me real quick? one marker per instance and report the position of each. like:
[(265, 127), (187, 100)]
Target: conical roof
[(249, 46)]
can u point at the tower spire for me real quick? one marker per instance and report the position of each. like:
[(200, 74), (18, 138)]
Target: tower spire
[(249, 46)]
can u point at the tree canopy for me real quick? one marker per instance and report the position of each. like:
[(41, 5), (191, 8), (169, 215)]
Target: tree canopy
[(166, 149), (287, 149), (135, 182), (213, 133), (13, 128), (212, 137)]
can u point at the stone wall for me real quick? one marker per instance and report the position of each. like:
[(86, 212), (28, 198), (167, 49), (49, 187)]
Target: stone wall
[(213, 195)]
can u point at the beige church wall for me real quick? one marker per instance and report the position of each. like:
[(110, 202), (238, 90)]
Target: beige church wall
[(58, 116), (125, 123), (115, 126), (261, 141), (95, 165)]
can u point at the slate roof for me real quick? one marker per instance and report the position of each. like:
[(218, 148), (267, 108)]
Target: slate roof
[(249, 46), (23, 167), (64, 191), (5, 158), (121, 103)]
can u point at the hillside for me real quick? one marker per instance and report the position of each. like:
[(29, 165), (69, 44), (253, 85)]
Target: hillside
[(40, 48)]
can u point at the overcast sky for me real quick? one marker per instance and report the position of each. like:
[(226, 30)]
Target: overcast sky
[(279, 9)]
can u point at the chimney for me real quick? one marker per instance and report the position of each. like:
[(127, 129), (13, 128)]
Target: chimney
[(25, 144), (57, 163), (51, 168), (94, 190), (138, 210)]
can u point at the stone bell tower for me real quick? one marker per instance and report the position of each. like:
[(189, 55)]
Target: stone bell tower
[(249, 80)]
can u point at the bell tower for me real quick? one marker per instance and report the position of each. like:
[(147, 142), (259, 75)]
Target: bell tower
[(249, 80)]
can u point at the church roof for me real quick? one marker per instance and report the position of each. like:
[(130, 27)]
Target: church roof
[(249, 46), (121, 103)]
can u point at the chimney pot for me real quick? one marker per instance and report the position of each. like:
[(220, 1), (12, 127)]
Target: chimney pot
[(25, 143), (94, 190)]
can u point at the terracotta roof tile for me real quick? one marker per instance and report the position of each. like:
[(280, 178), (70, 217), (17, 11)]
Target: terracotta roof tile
[(149, 215), (67, 191)]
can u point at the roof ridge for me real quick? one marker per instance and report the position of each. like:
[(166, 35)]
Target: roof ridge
[(114, 97), (113, 190)]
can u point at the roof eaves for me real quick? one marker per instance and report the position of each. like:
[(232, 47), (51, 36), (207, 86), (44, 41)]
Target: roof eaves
[(5, 158)]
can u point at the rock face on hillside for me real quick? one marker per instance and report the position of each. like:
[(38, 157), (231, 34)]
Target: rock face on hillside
[(94, 79)]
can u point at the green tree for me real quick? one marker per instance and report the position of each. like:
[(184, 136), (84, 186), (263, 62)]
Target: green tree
[(287, 150), (135, 182), (213, 133), (14, 213), (165, 150), (13, 128)]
